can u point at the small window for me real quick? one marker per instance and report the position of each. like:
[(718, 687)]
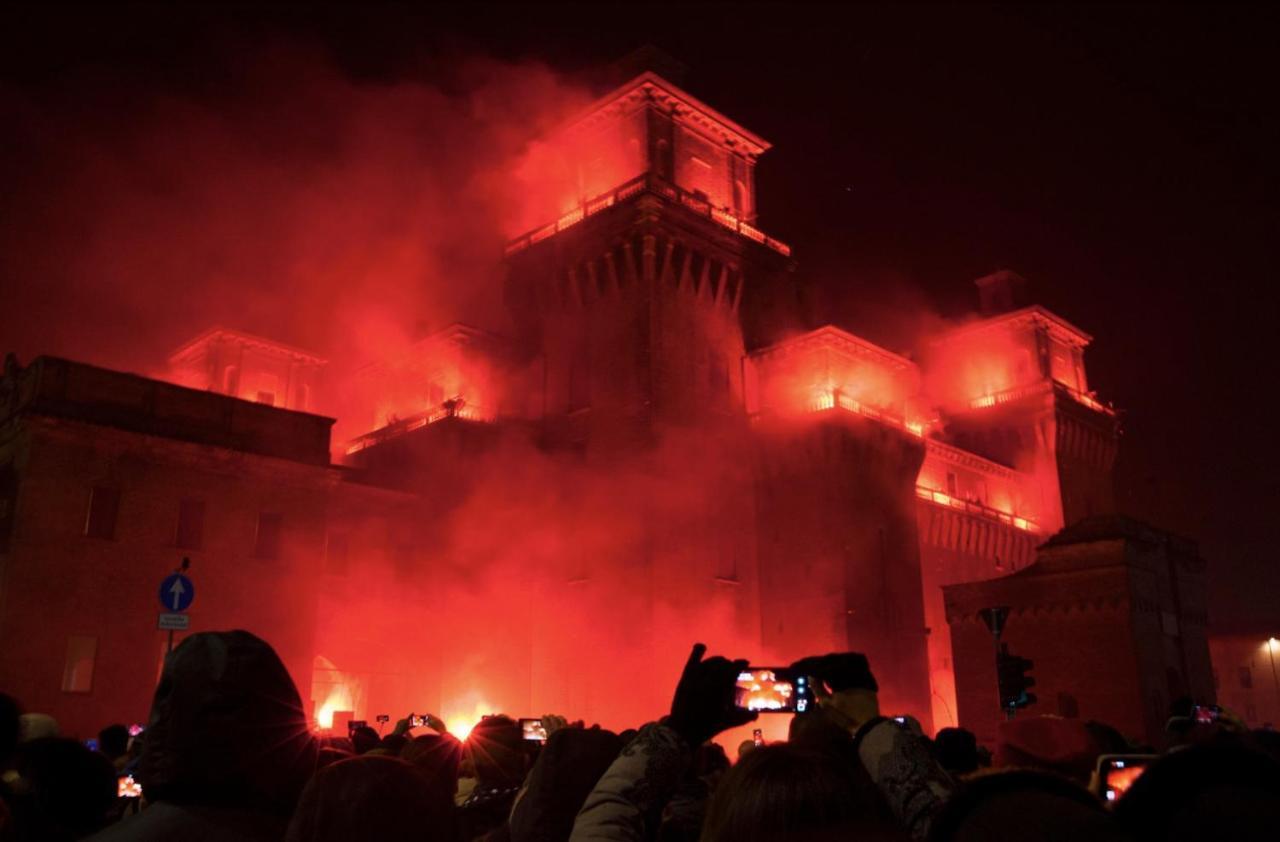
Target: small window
[(335, 556), (190, 532), (230, 380), (77, 673), (1246, 678), (267, 543), (104, 506)]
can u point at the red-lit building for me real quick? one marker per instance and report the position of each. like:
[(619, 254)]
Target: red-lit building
[(1114, 617), (658, 449)]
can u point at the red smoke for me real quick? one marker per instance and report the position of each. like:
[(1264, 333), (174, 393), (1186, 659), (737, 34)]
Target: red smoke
[(283, 199)]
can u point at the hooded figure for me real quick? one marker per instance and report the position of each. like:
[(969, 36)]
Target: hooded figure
[(227, 749), (373, 797), (567, 770)]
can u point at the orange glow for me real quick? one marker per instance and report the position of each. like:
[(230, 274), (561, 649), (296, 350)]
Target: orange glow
[(941, 498), (461, 716), (829, 368), (460, 728), (333, 690)]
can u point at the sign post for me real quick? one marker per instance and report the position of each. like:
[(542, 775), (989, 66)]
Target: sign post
[(177, 592)]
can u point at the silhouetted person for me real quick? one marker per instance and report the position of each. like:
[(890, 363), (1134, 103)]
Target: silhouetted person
[(392, 744), (437, 756), (227, 749), (376, 798), (1023, 806), (113, 741), (1223, 790), (956, 750), (62, 790), (570, 764), (786, 792), (364, 739), (496, 750)]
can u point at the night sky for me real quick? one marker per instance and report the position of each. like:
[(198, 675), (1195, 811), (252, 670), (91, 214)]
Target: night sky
[(1122, 159)]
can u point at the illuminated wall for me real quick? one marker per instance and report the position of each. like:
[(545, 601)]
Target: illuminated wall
[(646, 126), (249, 367)]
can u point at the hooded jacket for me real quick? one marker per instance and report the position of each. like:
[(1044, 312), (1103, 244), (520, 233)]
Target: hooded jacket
[(227, 749)]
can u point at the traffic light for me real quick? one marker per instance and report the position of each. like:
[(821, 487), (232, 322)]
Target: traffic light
[(1011, 674)]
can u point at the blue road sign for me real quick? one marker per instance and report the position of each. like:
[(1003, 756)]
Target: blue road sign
[(176, 592)]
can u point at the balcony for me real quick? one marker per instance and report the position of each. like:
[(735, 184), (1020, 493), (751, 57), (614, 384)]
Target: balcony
[(941, 498), (647, 183), (1039, 388)]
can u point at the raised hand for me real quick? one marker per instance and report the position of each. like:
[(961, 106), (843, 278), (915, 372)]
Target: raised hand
[(703, 704)]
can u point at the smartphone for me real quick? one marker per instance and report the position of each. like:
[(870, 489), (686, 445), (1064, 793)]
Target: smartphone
[(382, 718), (1117, 772), (757, 736), (772, 690), (353, 724), (127, 787), (135, 729), (533, 730), (416, 721), (1205, 714)]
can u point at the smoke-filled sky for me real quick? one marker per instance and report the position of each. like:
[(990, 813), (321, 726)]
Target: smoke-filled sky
[(342, 177)]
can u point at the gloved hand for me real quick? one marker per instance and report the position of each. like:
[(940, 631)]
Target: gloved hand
[(703, 704)]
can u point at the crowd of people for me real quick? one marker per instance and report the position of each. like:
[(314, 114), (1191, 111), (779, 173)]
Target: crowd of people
[(228, 754)]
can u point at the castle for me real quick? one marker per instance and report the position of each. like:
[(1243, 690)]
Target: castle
[(658, 449)]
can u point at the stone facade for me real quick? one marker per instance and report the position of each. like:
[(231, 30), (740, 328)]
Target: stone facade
[(1112, 614)]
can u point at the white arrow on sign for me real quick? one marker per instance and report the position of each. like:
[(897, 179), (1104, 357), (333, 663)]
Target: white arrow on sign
[(177, 590)]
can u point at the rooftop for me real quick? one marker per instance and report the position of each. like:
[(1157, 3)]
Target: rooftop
[(652, 88), (1057, 326), (59, 388), (261, 343)]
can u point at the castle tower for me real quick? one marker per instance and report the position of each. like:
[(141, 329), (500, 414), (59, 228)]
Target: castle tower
[(643, 295), (1012, 388)]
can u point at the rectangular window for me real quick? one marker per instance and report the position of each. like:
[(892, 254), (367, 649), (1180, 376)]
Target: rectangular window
[(104, 506), (190, 532), (267, 543), (77, 673), (335, 556)]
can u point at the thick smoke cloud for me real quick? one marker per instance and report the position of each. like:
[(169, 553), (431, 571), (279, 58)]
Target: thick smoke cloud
[(281, 197)]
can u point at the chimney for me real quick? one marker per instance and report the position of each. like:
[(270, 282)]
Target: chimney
[(1001, 291)]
